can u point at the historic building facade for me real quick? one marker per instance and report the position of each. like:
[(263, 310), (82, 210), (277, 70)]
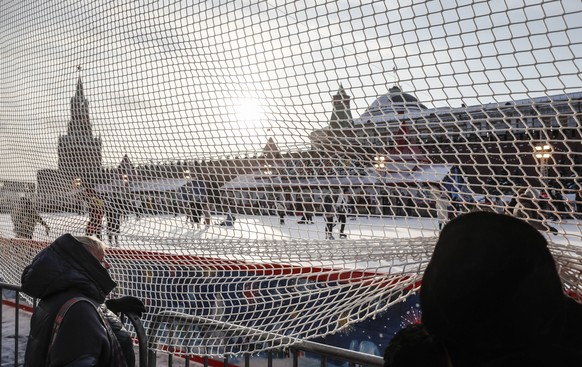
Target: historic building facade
[(79, 160), (79, 151), (496, 139), (485, 141)]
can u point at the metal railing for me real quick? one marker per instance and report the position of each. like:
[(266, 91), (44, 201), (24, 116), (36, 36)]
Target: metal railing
[(18, 306), (147, 353), (324, 351)]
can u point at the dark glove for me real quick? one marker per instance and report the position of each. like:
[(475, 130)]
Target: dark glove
[(126, 304)]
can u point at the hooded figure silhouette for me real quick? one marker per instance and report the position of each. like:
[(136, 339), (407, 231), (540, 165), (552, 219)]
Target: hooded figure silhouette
[(492, 295)]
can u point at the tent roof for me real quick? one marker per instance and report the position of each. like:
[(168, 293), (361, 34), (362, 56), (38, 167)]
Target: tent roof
[(418, 174), (404, 175), (252, 181), (166, 184)]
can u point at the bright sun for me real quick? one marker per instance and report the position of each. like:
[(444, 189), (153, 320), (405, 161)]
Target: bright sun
[(249, 112)]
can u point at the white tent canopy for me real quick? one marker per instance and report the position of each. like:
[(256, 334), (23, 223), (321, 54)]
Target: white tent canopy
[(161, 185), (418, 174), (413, 174)]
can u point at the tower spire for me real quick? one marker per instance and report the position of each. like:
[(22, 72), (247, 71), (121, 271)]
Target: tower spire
[(395, 76), (341, 116), (79, 91), (80, 151)]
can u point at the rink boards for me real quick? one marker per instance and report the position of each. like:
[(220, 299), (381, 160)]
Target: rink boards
[(188, 284)]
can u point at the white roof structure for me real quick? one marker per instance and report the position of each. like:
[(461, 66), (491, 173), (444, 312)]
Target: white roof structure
[(166, 184), (395, 173), (258, 181), (435, 173), (252, 181)]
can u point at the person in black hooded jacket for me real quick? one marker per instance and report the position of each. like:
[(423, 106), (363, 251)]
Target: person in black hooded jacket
[(88, 334), (492, 295)]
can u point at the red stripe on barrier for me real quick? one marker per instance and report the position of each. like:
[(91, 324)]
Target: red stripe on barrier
[(22, 307), (319, 274)]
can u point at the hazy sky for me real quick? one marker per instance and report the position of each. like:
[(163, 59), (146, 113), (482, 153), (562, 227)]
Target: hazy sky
[(170, 80)]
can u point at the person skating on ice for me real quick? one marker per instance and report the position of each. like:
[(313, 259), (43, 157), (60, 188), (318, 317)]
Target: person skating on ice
[(342, 208), (329, 216)]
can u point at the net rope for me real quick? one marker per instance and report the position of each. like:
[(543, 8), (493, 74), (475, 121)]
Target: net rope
[(225, 149)]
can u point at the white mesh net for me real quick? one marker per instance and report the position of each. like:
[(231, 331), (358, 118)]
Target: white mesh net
[(269, 171)]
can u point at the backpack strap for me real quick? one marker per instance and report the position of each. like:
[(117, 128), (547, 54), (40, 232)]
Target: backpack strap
[(61, 315), (117, 358)]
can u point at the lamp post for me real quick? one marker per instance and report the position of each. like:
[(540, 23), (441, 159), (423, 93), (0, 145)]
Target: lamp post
[(77, 201), (379, 162), (268, 169), (77, 183), (543, 152)]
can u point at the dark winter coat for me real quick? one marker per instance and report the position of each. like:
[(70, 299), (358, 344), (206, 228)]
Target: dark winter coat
[(58, 273), (328, 206), (492, 295)]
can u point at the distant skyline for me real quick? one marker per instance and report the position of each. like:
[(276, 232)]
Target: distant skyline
[(174, 81)]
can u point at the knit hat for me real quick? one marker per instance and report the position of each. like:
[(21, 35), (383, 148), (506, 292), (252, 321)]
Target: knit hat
[(490, 286)]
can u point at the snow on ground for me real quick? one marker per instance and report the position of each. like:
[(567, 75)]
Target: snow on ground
[(9, 342)]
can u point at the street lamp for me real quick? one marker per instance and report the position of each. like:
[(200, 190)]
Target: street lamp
[(267, 169), (379, 162), (543, 152)]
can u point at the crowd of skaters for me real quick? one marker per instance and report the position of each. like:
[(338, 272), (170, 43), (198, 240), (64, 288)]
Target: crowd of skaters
[(333, 205), (334, 208), (507, 308)]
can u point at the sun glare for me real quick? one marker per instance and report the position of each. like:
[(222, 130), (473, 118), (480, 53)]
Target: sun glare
[(249, 112)]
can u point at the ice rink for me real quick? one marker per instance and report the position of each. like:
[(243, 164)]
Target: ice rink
[(262, 228), (169, 229)]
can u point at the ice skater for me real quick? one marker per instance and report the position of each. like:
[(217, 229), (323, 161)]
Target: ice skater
[(281, 211), (441, 203), (342, 209), (96, 212), (25, 217), (195, 213), (229, 220), (329, 215), (527, 208), (208, 208), (307, 217), (308, 207), (113, 219), (299, 209)]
